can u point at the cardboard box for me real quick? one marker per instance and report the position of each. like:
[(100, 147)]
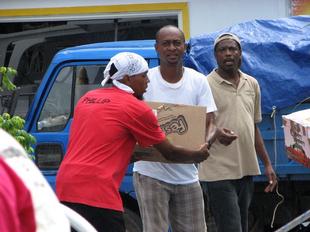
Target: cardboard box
[(184, 125), (297, 136)]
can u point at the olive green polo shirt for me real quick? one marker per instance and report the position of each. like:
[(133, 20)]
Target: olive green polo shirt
[(238, 110)]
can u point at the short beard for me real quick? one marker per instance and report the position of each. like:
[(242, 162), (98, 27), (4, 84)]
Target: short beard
[(139, 97)]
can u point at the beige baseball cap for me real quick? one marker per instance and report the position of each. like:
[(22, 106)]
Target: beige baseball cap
[(227, 35)]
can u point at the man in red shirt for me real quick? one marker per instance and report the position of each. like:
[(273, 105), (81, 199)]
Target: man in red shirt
[(107, 124)]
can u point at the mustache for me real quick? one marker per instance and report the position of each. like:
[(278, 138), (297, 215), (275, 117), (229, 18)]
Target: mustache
[(229, 60)]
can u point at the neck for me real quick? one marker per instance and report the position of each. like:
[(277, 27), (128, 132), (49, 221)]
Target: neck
[(232, 76), (229, 75), (171, 74)]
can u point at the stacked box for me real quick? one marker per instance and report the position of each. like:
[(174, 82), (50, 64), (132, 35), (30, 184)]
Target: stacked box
[(297, 136)]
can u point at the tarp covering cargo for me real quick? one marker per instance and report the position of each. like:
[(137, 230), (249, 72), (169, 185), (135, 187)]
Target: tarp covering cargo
[(275, 52)]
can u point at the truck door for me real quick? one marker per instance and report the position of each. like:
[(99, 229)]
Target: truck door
[(55, 111)]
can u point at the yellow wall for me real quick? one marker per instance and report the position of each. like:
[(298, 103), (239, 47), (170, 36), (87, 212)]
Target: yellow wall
[(87, 10)]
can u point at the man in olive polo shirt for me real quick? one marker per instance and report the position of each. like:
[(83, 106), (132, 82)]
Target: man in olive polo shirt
[(228, 172)]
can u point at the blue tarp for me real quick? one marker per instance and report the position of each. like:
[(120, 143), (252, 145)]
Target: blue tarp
[(275, 52)]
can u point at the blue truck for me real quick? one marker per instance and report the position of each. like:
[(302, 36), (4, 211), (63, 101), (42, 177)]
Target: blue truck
[(74, 71)]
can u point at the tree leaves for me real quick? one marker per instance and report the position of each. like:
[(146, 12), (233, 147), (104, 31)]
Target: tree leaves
[(14, 125), (6, 74)]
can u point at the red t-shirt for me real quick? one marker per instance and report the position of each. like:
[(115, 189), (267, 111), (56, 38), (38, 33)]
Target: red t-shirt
[(16, 208), (106, 126)]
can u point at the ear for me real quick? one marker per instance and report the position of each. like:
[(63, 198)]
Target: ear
[(125, 80), (156, 46)]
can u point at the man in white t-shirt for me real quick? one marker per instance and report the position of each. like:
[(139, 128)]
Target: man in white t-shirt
[(170, 194)]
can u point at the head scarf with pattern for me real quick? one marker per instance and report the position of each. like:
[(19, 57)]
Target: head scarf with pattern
[(126, 63)]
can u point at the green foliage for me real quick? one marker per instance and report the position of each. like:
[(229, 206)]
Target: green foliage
[(6, 74), (14, 125)]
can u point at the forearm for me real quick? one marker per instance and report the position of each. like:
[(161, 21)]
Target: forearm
[(153, 155), (180, 154), (260, 148), (263, 155), (211, 128)]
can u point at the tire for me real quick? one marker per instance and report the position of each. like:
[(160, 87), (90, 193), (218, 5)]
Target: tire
[(133, 221)]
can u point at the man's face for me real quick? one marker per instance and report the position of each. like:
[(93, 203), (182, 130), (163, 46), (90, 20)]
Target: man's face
[(170, 46), (138, 83), (228, 55)]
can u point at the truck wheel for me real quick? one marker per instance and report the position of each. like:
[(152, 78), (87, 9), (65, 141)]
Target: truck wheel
[(133, 222)]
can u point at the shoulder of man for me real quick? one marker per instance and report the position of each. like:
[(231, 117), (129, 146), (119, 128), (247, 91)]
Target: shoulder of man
[(137, 107), (252, 79), (194, 72), (153, 73), (211, 76), (153, 70), (196, 76)]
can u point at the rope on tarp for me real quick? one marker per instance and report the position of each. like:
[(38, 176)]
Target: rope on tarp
[(273, 116)]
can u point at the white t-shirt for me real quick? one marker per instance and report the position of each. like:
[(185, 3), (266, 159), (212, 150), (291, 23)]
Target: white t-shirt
[(192, 89)]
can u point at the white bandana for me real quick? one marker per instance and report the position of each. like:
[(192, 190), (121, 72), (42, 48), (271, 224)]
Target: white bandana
[(126, 63)]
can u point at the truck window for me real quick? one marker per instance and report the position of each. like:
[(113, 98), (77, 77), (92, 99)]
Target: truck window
[(88, 78), (71, 83)]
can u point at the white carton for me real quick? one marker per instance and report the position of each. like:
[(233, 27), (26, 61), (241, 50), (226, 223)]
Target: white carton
[(297, 136)]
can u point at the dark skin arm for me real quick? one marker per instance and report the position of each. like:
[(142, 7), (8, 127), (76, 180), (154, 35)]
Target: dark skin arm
[(211, 130), (180, 154), (169, 153), (263, 155)]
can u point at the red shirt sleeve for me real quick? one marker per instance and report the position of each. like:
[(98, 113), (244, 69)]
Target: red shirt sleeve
[(146, 129)]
